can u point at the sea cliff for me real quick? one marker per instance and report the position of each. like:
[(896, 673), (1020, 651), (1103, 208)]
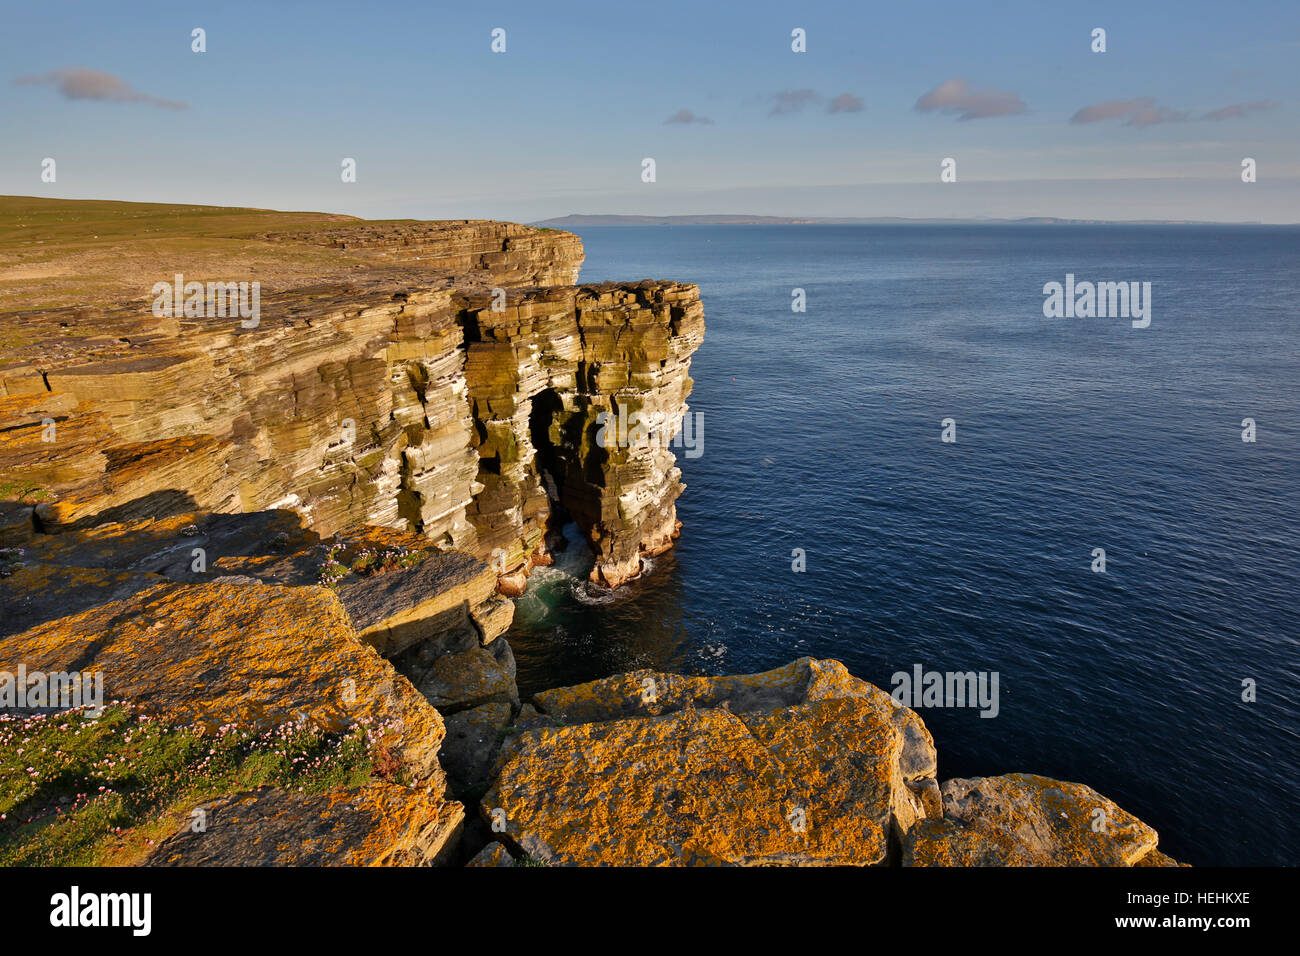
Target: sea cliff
[(283, 546), (440, 378)]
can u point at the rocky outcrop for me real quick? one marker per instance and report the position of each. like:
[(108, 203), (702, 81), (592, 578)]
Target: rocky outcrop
[(250, 622), (551, 378), (803, 765), (449, 387), (1026, 820)]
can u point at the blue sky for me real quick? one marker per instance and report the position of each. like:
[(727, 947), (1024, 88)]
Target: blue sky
[(441, 127)]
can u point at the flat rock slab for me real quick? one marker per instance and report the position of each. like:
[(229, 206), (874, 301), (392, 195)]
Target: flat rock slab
[(646, 693), (431, 600), (1026, 820), (379, 825), (803, 765), (248, 654)]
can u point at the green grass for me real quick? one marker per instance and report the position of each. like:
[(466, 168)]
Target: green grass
[(28, 219), (24, 492), (77, 792)]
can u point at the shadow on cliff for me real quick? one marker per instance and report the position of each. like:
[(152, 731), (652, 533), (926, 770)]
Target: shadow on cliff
[(165, 503)]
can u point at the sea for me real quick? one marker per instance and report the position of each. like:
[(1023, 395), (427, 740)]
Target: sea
[(1099, 535)]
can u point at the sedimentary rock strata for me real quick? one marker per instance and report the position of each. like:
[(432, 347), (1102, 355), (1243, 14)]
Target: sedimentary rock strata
[(448, 383), (544, 374)]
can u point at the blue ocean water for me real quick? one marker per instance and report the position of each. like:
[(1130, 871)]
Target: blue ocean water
[(822, 432)]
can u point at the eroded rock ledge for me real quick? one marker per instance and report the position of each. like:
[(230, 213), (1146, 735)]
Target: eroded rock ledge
[(278, 629)]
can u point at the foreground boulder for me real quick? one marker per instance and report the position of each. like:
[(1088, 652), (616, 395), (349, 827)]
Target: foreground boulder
[(1025, 820), (801, 765)]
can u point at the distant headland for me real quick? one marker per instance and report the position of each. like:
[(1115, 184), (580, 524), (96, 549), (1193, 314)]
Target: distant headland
[(577, 220)]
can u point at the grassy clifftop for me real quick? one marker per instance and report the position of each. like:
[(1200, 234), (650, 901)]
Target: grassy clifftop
[(57, 252), (91, 253)]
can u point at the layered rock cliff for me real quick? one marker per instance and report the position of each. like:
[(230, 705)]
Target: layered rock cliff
[(450, 387)]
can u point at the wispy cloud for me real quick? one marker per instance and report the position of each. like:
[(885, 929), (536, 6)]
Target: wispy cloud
[(1145, 111), (845, 103), (1237, 110), (83, 83), (791, 101), (957, 96), (685, 116), (794, 101), (1142, 111)]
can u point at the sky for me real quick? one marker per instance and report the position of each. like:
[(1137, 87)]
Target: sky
[(736, 121)]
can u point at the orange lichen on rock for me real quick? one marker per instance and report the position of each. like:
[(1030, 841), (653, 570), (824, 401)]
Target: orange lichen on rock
[(382, 824), (247, 654), (802, 765), (1023, 819)]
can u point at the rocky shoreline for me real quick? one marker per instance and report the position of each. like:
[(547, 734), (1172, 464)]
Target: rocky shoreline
[(285, 555), (802, 765)]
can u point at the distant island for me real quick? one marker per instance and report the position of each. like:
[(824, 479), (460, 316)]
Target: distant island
[(576, 220)]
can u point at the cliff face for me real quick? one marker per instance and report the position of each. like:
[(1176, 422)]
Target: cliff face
[(549, 378), (449, 385)]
